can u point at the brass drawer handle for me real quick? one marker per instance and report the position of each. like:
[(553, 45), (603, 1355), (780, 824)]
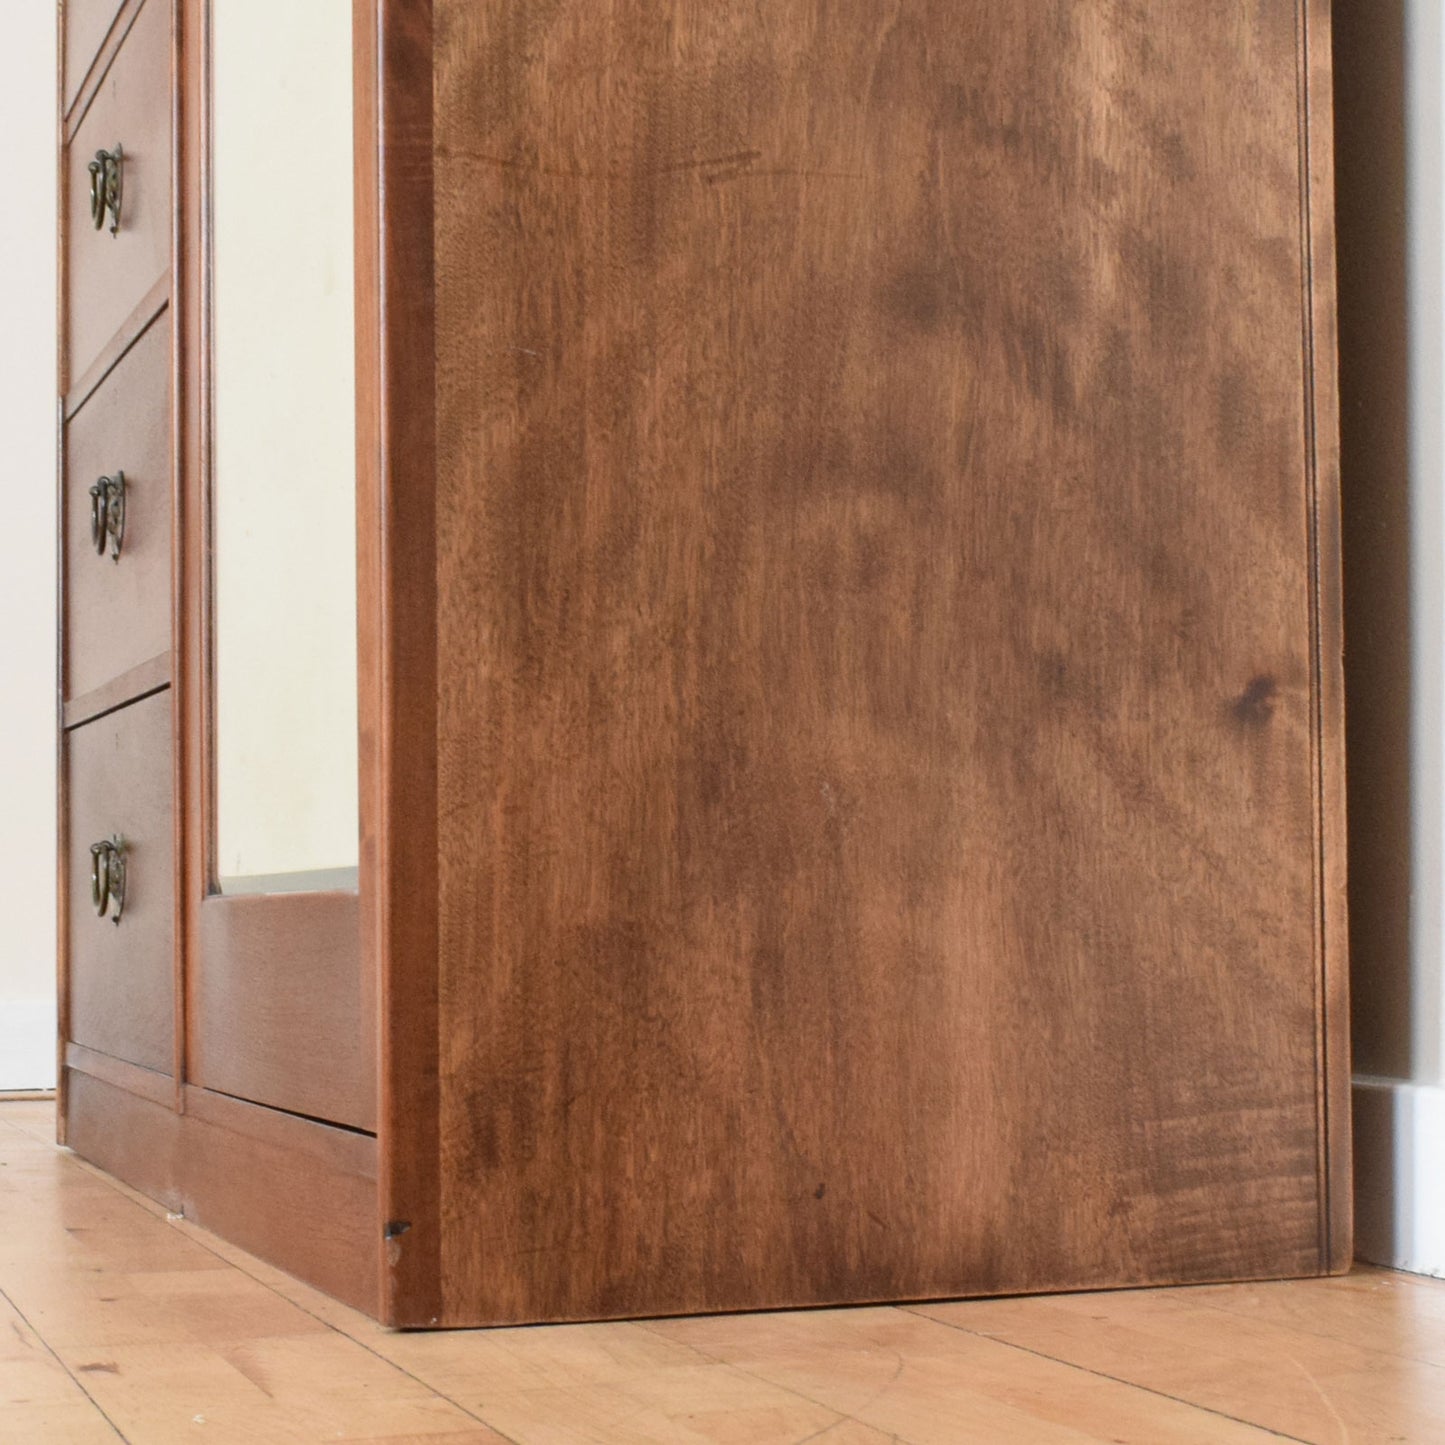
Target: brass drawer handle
[(105, 176), (107, 877), (107, 515)]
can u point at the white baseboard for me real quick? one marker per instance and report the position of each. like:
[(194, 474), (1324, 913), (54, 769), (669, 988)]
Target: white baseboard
[(1400, 1174), (27, 1044)]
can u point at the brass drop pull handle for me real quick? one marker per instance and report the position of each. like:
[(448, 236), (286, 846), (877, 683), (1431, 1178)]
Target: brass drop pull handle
[(107, 515), (105, 178), (107, 877)]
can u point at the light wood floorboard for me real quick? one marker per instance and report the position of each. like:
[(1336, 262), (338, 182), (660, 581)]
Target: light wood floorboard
[(119, 1322)]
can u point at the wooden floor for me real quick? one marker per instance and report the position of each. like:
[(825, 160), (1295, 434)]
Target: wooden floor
[(117, 1322)]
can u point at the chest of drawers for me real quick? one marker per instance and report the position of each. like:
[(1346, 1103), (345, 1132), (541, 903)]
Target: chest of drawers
[(839, 669)]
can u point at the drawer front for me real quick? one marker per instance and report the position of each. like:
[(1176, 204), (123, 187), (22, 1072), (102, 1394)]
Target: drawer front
[(108, 275), (122, 973), (117, 607), (87, 23)]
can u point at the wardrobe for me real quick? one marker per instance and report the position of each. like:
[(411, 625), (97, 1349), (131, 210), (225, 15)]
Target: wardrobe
[(700, 659)]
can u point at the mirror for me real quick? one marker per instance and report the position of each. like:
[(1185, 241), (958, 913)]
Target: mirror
[(283, 446)]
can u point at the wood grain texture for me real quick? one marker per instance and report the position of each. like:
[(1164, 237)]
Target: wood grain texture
[(273, 1003), (191, 360), (40, 1398), (880, 723), (119, 775), (276, 1012), (157, 1320), (132, 685), (88, 30), (118, 610), (276, 1020), (176, 320), (145, 1083), (107, 275), (62, 372), (298, 1193), (370, 531), (1322, 446), (129, 332), (398, 719)]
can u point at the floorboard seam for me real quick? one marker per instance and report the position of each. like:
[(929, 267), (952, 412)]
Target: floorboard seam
[(1114, 1379), (70, 1374), (346, 1334), (844, 1416), (191, 1234), (156, 1211), (357, 1329), (1317, 1335)]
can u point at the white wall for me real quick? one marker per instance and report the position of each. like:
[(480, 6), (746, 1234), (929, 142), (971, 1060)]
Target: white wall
[(1390, 61), (27, 527)]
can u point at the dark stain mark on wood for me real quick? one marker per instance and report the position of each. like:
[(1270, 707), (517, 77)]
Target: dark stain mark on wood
[(1255, 705), (1055, 674), (927, 296), (395, 1228), (1232, 412), (1173, 152)]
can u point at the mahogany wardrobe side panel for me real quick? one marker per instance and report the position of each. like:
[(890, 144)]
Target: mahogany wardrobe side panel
[(859, 788)]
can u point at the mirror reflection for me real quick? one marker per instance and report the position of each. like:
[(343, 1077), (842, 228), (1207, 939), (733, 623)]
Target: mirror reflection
[(283, 446)]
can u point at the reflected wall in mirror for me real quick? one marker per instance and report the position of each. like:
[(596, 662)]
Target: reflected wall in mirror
[(283, 446)]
